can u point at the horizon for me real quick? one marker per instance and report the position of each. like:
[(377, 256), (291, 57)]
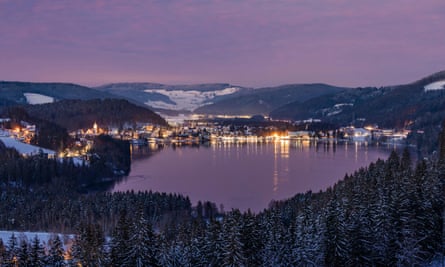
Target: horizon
[(238, 85), (248, 43)]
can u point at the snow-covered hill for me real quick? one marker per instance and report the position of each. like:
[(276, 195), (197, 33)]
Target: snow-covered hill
[(187, 99), (439, 85), (33, 98)]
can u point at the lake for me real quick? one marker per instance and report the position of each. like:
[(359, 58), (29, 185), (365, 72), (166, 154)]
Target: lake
[(247, 175)]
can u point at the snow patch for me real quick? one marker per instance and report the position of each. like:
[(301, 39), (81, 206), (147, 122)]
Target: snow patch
[(43, 237), (340, 105), (24, 148), (440, 85), (187, 99), (34, 99), (335, 112)]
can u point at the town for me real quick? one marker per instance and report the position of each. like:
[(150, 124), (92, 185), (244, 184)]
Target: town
[(192, 132)]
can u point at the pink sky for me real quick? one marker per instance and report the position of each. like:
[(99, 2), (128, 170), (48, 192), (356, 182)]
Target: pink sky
[(250, 43)]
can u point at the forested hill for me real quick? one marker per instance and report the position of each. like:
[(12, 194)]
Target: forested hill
[(16, 91), (81, 114), (391, 106)]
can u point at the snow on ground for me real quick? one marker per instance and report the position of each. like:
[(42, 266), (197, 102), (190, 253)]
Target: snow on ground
[(187, 99), (34, 99), (440, 85), (29, 236), (23, 148), (438, 262), (181, 118)]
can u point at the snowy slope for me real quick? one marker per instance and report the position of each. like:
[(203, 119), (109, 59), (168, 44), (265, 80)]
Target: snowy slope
[(440, 85), (34, 99), (187, 99), (24, 148)]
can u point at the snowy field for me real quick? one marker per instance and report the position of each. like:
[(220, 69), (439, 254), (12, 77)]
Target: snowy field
[(187, 99), (24, 148), (440, 85), (34, 99), (29, 236)]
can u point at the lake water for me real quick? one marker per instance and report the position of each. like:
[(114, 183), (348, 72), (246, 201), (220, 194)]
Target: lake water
[(247, 175)]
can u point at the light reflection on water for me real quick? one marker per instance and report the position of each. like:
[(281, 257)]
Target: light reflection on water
[(247, 175)]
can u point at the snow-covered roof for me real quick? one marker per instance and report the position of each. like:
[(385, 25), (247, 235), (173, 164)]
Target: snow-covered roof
[(24, 149)]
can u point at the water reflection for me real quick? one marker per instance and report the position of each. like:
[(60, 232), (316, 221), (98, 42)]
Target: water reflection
[(246, 175)]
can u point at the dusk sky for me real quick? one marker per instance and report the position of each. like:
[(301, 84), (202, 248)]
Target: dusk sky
[(250, 43)]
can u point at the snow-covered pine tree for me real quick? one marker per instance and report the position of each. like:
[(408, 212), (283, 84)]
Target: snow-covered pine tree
[(2, 253), (273, 236), (37, 253), (13, 249), (212, 249), (232, 245), (120, 242), (142, 243), (56, 252), (337, 246), (311, 238), (442, 143), (174, 254), (23, 257), (88, 246), (251, 239)]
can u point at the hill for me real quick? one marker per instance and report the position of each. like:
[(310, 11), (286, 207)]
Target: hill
[(36, 93), (78, 114), (392, 106), (418, 106), (184, 98), (264, 100)]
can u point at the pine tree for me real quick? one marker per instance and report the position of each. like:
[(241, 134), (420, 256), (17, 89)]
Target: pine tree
[(174, 254), (232, 245), (120, 242), (212, 248), (23, 254), (13, 249), (88, 245), (251, 239), (37, 253), (56, 251), (442, 142), (3, 254), (142, 244), (273, 235)]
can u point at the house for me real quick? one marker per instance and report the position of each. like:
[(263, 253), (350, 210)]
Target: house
[(300, 134), (357, 134)]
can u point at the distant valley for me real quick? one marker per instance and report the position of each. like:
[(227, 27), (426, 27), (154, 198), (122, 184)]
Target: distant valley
[(417, 105)]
